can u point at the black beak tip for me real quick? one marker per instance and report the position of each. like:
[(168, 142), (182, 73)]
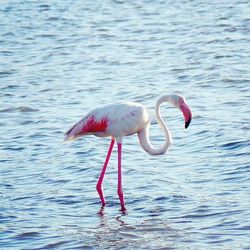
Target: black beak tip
[(187, 123)]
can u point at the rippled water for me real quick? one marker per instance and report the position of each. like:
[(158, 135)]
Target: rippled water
[(59, 59)]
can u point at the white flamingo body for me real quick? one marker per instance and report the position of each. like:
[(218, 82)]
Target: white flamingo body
[(124, 119), (118, 120)]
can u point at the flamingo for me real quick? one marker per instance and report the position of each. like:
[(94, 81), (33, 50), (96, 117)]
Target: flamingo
[(124, 119)]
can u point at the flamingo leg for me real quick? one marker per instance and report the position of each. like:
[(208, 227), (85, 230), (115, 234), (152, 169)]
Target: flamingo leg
[(119, 190), (100, 180)]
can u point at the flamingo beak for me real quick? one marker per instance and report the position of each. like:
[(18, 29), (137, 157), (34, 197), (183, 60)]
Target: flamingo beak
[(186, 113)]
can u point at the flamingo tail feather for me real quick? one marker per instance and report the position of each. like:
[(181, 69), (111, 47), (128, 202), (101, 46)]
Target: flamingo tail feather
[(85, 126), (75, 131)]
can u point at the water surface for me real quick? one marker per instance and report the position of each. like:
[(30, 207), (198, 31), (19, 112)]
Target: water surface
[(60, 59)]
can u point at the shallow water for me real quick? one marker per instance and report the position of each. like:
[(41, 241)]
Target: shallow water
[(60, 59)]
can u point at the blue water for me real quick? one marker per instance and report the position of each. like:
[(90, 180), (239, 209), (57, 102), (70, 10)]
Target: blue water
[(59, 59)]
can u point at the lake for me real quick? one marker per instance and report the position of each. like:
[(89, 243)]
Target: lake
[(60, 59)]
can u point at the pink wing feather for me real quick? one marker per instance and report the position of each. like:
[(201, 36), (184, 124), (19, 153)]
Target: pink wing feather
[(85, 126)]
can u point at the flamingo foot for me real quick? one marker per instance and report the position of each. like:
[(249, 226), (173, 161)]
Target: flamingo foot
[(100, 192), (101, 211), (123, 210), (122, 202)]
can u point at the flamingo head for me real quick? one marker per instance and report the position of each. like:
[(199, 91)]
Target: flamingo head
[(181, 103)]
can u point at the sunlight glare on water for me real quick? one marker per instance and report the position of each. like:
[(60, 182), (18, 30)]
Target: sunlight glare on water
[(59, 59)]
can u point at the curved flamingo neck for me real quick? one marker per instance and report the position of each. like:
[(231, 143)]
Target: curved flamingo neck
[(144, 133)]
